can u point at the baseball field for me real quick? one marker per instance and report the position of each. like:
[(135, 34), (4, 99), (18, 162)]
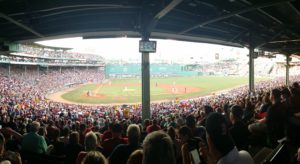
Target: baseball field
[(120, 91)]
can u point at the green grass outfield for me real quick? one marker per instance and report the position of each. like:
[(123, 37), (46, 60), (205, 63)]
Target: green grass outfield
[(129, 90)]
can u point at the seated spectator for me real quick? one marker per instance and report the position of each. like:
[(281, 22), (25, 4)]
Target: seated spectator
[(107, 133), (191, 123), (146, 124), (8, 156), (172, 133), (220, 145), (94, 157), (65, 135), (153, 127), (248, 114), (295, 100), (110, 144), (82, 133), (207, 110), (158, 148), (73, 148), (188, 144), (50, 129), (57, 145), (261, 113), (276, 118), (121, 153), (99, 141), (274, 122), (135, 157), (90, 143), (297, 157), (32, 142), (238, 130)]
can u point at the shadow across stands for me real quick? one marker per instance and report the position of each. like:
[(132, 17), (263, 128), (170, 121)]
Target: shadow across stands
[(34, 158)]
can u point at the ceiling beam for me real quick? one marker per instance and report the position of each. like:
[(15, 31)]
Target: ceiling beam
[(20, 25), (238, 36), (294, 8), (285, 41), (245, 10), (270, 16), (271, 39), (235, 25), (162, 13), (167, 9)]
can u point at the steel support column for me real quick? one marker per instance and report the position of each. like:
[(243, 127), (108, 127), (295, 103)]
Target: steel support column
[(287, 71), (251, 69), (147, 25), (25, 70), (145, 85), (9, 71), (38, 70)]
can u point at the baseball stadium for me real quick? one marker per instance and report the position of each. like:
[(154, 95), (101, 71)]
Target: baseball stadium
[(168, 82), (150, 82)]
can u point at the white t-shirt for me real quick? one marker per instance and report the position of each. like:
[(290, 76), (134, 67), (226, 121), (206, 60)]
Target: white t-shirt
[(236, 157)]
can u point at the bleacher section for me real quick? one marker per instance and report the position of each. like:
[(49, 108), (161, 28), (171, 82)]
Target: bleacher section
[(32, 54)]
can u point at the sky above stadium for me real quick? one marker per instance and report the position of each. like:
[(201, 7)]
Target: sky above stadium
[(127, 49)]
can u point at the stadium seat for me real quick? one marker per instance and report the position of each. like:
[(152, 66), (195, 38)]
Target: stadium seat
[(279, 155)]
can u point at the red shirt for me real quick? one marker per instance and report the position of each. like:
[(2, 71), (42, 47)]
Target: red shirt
[(80, 157), (110, 144), (153, 128), (106, 135)]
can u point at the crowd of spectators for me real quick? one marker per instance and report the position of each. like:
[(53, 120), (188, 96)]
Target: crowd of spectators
[(58, 61), (212, 129), (51, 56), (39, 51)]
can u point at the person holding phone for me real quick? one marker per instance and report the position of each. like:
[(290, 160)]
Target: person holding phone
[(189, 148)]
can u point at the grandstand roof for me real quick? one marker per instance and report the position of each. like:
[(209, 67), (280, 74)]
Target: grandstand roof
[(269, 24)]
